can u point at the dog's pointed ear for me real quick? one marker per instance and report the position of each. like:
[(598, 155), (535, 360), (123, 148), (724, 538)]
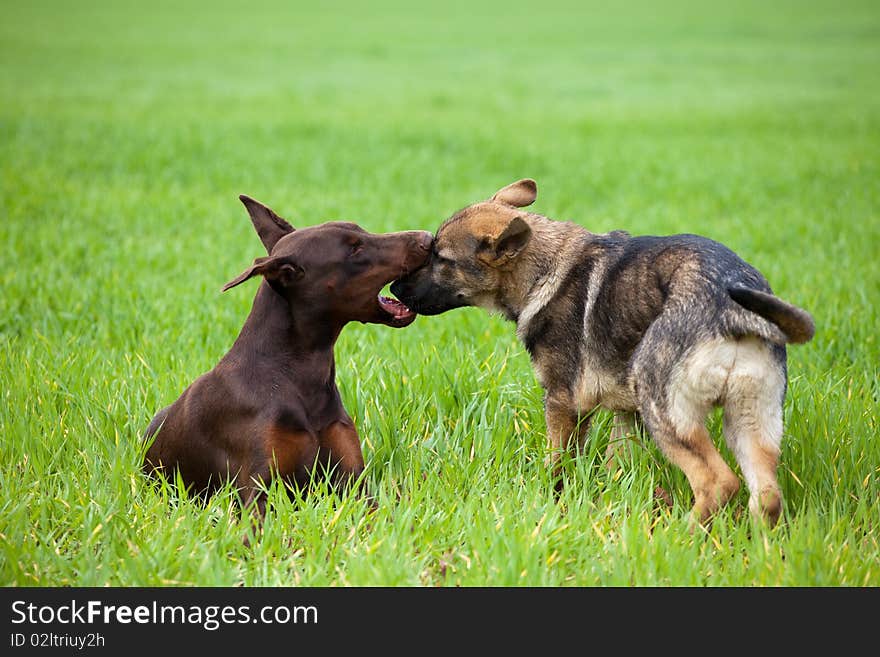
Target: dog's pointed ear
[(270, 227), (500, 250), (272, 269), (519, 194)]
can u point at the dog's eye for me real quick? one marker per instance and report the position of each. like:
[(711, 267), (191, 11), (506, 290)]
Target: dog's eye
[(356, 248), (444, 261)]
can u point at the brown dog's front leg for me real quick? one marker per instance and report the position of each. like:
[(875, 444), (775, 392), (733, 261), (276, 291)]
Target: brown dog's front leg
[(254, 502), (341, 450), (566, 431)]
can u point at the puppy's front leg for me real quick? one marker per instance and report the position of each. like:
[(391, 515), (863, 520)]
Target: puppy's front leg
[(626, 425), (566, 431)]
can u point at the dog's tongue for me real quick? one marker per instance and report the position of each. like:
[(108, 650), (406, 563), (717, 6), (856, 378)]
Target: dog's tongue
[(395, 308)]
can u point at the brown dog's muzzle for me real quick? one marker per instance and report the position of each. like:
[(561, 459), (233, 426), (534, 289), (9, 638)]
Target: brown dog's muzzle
[(411, 250), (425, 242)]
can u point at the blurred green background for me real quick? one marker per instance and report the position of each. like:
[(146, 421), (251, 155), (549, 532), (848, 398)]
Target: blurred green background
[(127, 130)]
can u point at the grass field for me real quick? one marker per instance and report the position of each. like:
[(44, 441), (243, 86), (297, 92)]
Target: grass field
[(127, 133)]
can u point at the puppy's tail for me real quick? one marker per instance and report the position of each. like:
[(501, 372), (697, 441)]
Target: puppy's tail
[(795, 324)]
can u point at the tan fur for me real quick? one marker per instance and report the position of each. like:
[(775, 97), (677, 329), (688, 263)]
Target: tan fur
[(711, 479), (518, 194), (516, 283)]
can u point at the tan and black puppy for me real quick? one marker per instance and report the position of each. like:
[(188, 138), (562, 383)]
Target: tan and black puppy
[(657, 328)]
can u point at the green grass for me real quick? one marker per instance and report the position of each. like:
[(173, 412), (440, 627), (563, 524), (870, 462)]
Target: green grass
[(126, 135)]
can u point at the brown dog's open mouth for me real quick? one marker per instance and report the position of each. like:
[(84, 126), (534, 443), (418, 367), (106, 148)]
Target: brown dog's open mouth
[(398, 313)]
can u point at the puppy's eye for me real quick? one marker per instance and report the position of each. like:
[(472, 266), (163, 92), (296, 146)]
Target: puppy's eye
[(356, 248), (443, 261)]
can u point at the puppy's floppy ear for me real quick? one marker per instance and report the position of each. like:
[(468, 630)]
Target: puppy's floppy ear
[(273, 269), (498, 251), (270, 227), (519, 194)]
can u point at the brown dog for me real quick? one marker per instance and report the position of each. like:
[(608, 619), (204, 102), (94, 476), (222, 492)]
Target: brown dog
[(657, 329), (270, 407)]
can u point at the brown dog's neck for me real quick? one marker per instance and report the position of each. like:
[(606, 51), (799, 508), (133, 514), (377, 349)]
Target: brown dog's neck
[(275, 331)]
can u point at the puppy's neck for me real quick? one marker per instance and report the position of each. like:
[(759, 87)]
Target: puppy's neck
[(540, 268)]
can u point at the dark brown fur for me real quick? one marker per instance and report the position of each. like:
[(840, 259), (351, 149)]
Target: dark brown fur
[(657, 329), (270, 407)]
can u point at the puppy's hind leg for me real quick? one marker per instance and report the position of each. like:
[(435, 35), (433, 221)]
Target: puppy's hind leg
[(675, 396), (753, 424), (711, 479)]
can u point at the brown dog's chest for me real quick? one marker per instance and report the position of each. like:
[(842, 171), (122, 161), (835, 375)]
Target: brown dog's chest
[(290, 452), (294, 449)]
